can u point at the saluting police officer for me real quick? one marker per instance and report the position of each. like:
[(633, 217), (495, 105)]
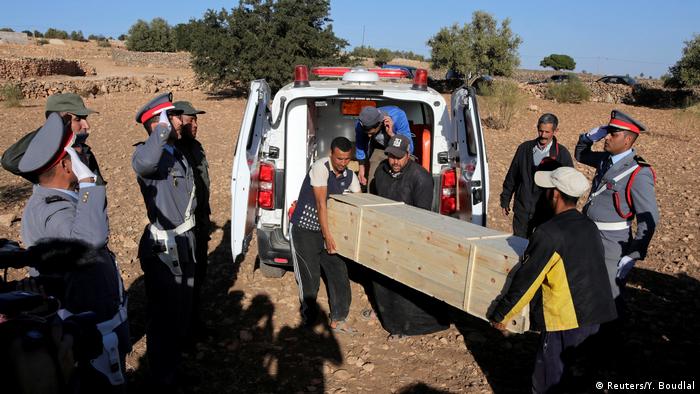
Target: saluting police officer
[(167, 246), (622, 190), (194, 152), (73, 111), (66, 203)]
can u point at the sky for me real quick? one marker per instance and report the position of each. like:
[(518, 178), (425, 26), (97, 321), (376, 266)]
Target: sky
[(603, 37)]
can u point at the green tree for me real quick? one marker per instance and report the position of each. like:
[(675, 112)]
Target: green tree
[(28, 33), (263, 39), (182, 35), (77, 35), (382, 57), (7, 29), (558, 62), (686, 72), (155, 36), (38, 34), (56, 33), (122, 37), (480, 47)]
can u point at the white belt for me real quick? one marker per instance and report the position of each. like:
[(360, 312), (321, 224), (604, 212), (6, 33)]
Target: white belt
[(610, 226), (179, 230)]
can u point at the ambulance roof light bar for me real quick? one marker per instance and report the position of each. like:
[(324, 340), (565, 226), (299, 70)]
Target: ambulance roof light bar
[(359, 74)]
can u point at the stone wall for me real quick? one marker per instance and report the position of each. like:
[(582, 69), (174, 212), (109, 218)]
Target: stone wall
[(123, 57), (13, 38), (33, 89), (26, 67)]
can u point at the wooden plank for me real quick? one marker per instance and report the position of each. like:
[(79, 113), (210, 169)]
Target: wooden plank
[(462, 264)]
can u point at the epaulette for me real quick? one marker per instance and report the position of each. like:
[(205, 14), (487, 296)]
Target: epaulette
[(52, 199), (640, 160)]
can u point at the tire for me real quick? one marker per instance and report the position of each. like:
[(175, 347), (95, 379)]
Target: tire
[(271, 271)]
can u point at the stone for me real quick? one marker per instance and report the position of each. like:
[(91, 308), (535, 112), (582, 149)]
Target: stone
[(6, 219), (369, 367), (533, 108), (342, 374)]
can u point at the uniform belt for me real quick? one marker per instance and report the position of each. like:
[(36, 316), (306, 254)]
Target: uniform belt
[(179, 230), (610, 226)]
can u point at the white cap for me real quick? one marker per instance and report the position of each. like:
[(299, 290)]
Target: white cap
[(567, 180)]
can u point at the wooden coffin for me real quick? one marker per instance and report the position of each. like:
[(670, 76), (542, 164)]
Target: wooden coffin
[(460, 263)]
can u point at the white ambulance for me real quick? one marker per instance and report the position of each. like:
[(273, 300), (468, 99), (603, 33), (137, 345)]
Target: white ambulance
[(281, 137)]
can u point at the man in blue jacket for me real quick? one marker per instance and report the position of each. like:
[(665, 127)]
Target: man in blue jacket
[(375, 126)]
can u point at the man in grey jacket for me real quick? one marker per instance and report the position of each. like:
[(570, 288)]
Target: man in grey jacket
[(66, 203), (622, 190), (167, 247)]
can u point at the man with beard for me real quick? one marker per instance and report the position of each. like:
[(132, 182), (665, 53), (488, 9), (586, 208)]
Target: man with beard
[(564, 263), (519, 179), (194, 152), (401, 309)]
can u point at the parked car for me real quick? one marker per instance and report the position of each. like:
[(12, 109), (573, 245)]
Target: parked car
[(411, 71), (618, 79), (280, 138)]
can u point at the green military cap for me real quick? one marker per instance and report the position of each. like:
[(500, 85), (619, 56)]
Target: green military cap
[(67, 102), (187, 108)]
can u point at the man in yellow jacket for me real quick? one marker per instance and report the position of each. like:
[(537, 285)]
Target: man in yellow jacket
[(566, 261)]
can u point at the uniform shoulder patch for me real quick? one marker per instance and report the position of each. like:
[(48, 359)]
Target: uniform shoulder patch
[(53, 199), (640, 160)]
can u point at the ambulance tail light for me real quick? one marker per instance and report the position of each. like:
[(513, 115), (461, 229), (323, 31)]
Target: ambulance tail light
[(266, 186), (301, 76), (420, 81), (448, 192)]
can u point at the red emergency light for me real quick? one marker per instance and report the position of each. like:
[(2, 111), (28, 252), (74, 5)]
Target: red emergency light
[(301, 76), (340, 71), (420, 80)]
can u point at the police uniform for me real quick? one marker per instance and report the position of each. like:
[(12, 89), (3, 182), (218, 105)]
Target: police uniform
[(196, 157), (53, 213), (621, 191), (166, 250)]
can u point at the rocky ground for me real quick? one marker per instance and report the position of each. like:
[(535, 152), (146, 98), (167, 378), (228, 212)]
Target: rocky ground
[(256, 344)]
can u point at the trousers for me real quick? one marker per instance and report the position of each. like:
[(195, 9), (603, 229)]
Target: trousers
[(310, 258)]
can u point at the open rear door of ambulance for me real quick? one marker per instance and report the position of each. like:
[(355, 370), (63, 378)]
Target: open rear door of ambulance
[(244, 176), (471, 163)]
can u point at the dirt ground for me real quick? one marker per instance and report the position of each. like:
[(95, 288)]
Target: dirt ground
[(256, 344)]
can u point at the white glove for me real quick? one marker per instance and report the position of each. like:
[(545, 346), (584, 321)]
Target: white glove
[(624, 266), (80, 170), (164, 119), (597, 133)]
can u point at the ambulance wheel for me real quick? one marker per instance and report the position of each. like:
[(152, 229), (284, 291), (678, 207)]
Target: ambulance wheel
[(271, 271)]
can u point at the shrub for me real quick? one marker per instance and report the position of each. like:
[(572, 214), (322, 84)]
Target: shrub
[(7, 29), (77, 35), (154, 36), (28, 33), (56, 33), (382, 57), (686, 72), (572, 91), (12, 94), (503, 101), (103, 44), (122, 37), (38, 34), (42, 41)]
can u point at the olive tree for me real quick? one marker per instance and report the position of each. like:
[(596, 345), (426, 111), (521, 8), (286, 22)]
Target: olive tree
[(479, 47)]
